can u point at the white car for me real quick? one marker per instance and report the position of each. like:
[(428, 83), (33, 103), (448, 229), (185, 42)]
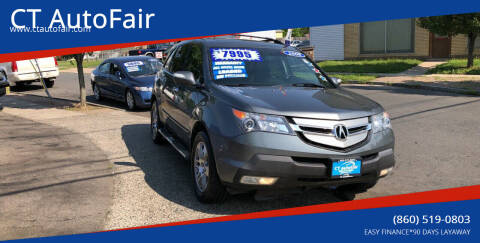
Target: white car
[(295, 43), (26, 71)]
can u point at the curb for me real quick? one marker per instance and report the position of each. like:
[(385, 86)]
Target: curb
[(419, 86)]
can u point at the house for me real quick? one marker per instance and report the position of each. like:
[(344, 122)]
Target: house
[(384, 39)]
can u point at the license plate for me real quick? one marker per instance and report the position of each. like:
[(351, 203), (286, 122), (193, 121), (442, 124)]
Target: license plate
[(158, 54), (346, 168)]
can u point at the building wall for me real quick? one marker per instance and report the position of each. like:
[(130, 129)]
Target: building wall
[(352, 44), (327, 42), (459, 46)]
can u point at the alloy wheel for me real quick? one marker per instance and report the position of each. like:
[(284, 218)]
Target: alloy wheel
[(96, 92), (201, 166), (130, 100)]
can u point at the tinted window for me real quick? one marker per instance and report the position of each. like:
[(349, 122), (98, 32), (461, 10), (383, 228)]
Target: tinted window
[(271, 67), (104, 68), (194, 61), (114, 68), (168, 61), (178, 60)]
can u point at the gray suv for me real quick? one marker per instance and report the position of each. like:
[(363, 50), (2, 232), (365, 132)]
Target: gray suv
[(257, 116)]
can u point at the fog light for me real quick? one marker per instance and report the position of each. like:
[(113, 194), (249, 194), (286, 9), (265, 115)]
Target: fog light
[(385, 172), (256, 180)]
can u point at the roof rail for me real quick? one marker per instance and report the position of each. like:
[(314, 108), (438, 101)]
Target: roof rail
[(263, 38)]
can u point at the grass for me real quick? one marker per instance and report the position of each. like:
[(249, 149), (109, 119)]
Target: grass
[(457, 66), (369, 66), (362, 78), (62, 65)]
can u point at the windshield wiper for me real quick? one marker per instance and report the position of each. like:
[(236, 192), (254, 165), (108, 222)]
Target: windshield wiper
[(308, 85)]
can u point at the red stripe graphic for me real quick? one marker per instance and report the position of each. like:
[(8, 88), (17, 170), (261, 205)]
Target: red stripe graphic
[(17, 56), (437, 196)]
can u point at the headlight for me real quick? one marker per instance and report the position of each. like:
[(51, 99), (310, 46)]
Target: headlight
[(381, 122), (251, 122), (143, 88)]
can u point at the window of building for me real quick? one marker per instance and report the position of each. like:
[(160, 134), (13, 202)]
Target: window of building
[(391, 36)]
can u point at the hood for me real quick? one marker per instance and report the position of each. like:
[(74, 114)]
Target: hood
[(144, 81), (332, 104)]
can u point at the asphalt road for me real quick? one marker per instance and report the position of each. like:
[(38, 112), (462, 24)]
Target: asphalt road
[(436, 147)]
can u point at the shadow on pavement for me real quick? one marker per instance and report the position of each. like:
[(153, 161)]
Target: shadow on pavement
[(34, 102), (52, 181), (168, 174), (113, 103), (26, 88)]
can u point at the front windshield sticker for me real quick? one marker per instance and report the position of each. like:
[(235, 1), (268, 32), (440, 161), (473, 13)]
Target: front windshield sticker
[(235, 54), (294, 53), (133, 63), (229, 69), (133, 69)]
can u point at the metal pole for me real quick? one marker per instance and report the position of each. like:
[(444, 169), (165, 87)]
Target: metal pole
[(42, 81)]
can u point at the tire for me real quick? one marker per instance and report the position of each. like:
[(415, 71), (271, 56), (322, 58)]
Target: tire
[(96, 92), (206, 182), (155, 124), (130, 100), (49, 83)]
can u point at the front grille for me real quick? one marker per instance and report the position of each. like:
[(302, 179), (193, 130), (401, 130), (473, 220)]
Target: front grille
[(316, 130), (357, 129), (320, 132)]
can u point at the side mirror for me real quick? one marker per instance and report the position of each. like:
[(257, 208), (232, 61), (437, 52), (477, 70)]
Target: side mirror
[(184, 78), (337, 81)]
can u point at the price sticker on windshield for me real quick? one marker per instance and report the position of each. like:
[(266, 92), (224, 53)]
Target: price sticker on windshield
[(133, 63), (235, 54), (133, 69), (294, 53)]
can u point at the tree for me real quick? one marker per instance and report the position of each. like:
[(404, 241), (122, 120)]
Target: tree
[(452, 25), (297, 32), (81, 79)]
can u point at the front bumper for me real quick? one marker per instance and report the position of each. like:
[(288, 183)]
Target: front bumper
[(295, 163), (143, 99)]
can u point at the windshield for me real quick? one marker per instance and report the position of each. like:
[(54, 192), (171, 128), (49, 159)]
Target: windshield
[(264, 67), (142, 68)]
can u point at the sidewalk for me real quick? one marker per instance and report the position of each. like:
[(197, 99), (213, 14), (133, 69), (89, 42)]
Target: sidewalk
[(416, 77), (57, 167)]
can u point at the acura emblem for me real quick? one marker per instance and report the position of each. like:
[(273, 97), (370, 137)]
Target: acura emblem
[(340, 132)]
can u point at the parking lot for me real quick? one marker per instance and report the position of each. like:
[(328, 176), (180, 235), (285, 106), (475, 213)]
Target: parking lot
[(436, 147)]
